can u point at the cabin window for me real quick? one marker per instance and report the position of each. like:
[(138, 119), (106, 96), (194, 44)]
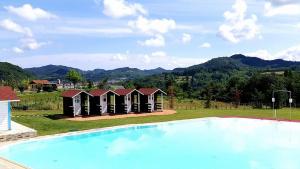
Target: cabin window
[(128, 98), (77, 100), (104, 99), (152, 97)]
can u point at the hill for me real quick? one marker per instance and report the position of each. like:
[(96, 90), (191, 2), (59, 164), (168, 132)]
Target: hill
[(50, 72), (238, 62), (265, 64), (53, 72), (12, 73)]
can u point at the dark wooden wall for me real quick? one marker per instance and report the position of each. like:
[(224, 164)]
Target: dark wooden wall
[(95, 109), (67, 103), (120, 104)]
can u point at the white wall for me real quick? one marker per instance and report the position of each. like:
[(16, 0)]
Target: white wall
[(3, 115)]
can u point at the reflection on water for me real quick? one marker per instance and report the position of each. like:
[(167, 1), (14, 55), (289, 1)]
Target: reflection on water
[(211, 143)]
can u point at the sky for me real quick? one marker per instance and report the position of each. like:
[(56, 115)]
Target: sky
[(109, 34)]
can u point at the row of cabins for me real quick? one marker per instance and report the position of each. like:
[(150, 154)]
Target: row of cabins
[(120, 101)]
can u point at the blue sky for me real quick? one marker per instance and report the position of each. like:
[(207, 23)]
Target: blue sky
[(108, 34)]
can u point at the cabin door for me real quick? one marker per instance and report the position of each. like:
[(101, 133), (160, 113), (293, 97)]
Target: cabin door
[(103, 102), (151, 101), (77, 105)]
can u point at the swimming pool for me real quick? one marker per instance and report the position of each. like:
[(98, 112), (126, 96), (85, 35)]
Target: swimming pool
[(210, 143)]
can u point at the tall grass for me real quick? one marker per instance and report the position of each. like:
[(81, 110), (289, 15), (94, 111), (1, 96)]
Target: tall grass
[(39, 101)]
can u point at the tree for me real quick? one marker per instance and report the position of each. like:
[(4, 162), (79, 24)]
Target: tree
[(90, 84), (23, 85), (103, 84), (74, 77), (208, 96)]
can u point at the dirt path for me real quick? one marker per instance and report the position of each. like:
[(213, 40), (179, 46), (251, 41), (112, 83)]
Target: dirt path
[(165, 112)]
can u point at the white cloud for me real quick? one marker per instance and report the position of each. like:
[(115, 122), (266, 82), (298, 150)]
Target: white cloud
[(14, 27), (263, 54), (121, 8), (28, 12), (186, 38), (92, 31), (298, 25), (237, 27), (157, 41), (18, 50), (206, 45), (152, 26), (287, 9), (283, 2), (292, 54), (31, 44), (119, 57), (159, 54)]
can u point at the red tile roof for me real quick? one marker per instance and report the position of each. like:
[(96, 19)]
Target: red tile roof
[(71, 93), (98, 92), (7, 93), (123, 92), (43, 82), (149, 91)]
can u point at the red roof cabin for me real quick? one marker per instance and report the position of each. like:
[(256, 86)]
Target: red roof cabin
[(150, 101), (41, 85), (103, 102), (7, 95), (127, 100), (76, 102)]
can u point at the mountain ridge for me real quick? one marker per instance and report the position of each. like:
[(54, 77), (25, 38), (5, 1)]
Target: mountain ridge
[(225, 65)]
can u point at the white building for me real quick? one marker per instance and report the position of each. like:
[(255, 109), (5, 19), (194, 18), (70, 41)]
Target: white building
[(7, 95)]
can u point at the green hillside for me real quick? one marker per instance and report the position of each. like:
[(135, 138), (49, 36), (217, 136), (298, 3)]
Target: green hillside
[(12, 74)]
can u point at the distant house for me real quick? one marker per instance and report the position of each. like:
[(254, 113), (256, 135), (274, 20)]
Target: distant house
[(41, 85), (7, 95), (150, 101), (76, 102)]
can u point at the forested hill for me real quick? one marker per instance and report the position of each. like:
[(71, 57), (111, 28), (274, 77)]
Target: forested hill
[(12, 73), (260, 63), (217, 68), (53, 72), (238, 62)]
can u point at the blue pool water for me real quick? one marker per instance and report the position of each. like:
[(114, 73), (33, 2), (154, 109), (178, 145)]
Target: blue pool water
[(211, 143)]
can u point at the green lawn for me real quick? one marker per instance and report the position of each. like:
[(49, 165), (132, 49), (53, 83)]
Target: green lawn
[(46, 126)]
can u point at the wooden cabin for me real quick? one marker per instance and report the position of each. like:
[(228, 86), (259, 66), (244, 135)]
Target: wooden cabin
[(103, 102), (7, 95), (149, 99), (76, 103), (41, 85), (127, 100)]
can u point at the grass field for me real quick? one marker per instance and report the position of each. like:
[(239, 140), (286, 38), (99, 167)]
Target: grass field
[(45, 124)]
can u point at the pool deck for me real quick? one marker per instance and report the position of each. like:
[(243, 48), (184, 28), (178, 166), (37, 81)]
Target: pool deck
[(17, 132), (6, 164)]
